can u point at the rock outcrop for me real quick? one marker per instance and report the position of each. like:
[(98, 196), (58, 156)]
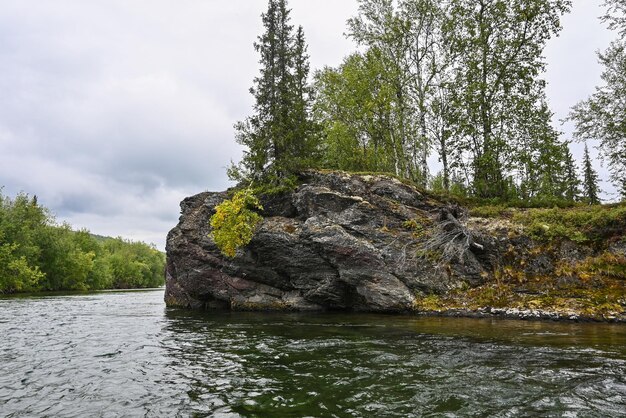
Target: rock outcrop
[(338, 242), (372, 243)]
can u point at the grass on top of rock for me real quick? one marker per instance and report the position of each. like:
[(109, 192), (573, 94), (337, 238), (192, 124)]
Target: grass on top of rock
[(581, 224), (591, 285)]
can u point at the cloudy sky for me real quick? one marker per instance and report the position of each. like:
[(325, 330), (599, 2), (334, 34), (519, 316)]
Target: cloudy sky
[(112, 111)]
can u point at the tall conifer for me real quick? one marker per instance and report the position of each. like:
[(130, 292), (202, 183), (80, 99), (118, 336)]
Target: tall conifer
[(571, 182), (276, 135), (590, 180)]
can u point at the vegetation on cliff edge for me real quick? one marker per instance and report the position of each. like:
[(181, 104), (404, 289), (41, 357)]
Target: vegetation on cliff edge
[(566, 261), (234, 221)]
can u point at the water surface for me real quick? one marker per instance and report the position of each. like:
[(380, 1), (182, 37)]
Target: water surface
[(118, 354)]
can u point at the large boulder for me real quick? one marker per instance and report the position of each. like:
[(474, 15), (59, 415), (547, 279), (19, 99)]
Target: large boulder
[(337, 242)]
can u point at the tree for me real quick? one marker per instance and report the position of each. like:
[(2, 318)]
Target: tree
[(407, 38), (134, 264), (615, 15), (63, 260), (546, 168), (37, 254), (354, 107), (16, 274), (590, 180), (499, 45), (459, 76), (571, 182), (278, 135), (602, 116)]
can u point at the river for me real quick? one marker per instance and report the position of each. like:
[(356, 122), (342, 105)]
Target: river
[(123, 354)]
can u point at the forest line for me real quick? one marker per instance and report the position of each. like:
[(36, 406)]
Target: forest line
[(37, 254), (457, 79)]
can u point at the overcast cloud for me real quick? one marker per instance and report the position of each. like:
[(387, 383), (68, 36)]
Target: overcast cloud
[(112, 111)]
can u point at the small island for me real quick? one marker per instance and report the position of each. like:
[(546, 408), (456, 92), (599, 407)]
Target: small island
[(403, 229)]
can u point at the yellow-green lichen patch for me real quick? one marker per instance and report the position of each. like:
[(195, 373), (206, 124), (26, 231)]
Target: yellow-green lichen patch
[(430, 303)]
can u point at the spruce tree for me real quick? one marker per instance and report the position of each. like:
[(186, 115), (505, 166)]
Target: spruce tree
[(302, 146), (590, 180), (602, 116), (570, 180), (276, 134)]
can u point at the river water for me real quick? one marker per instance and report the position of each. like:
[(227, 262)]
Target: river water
[(123, 354)]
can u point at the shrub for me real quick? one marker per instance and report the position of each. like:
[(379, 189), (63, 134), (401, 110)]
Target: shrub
[(235, 221)]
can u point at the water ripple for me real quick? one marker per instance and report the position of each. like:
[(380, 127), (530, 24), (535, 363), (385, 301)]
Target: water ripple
[(124, 354)]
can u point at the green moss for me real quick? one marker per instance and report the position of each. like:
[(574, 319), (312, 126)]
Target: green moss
[(495, 295), (593, 288), (429, 303), (582, 224), (606, 264), (419, 225)]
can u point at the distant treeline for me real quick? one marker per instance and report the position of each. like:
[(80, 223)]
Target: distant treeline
[(37, 254)]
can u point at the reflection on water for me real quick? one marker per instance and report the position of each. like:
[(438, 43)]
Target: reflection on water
[(124, 354)]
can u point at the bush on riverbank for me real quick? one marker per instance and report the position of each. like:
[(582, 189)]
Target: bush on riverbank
[(38, 254)]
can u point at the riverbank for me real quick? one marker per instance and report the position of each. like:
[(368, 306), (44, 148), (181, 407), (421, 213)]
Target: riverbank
[(70, 293), (39, 254), (524, 315), (559, 264)]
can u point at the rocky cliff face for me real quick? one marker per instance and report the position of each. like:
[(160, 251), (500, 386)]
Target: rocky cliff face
[(349, 242), (372, 243)]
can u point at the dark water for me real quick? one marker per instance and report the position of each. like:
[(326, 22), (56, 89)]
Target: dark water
[(124, 354)]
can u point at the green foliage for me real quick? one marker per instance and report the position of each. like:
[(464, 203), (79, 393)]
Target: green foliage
[(133, 264), (607, 264), (354, 106), (37, 254), (235, 221), (412, 225), (429, 303), (602, 117), (500, 113), (590, 181), (16, 274), (377, 108), (275, 186), (581, 224), (279, 137), (461, 77)]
